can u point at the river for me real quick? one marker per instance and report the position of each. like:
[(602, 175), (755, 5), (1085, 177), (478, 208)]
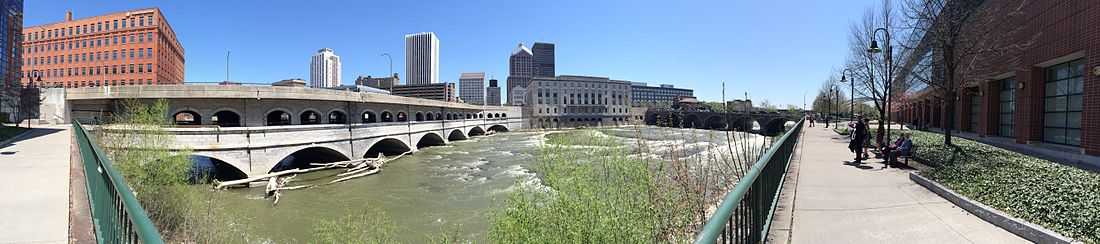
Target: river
[(452, 186)]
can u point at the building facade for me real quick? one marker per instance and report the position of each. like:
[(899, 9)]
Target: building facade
[(472, 88), (520, 70), (543, 59), (1048, 94), (11, 42), (384, 83), (135, 47), (324, 69), (571, 101), (421, 58), (435, 91), (492, 93), (663, 96)]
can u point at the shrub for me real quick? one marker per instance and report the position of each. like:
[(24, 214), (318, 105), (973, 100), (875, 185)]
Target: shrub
[(1062, 198)]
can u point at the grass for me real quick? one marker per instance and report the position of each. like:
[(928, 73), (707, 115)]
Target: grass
[(1059, 197), (7, 132)]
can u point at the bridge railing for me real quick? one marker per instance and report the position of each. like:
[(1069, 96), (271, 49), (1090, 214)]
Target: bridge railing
[(746, 212), (117, 215)]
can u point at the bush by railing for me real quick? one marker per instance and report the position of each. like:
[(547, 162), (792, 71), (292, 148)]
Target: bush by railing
[(746, 212), (117, 215)]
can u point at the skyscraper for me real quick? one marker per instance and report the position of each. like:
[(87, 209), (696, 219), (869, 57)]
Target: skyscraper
[(544, 59), (520, 70), (11, 23), (324, 69), (492, 93), (421, 58), (471, 88)]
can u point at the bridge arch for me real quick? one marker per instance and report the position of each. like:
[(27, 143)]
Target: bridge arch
[(456, 135), (337, 116), (387, 146), (774, 126), (187, 117), (277, 116), (430, 139), (386, 116), (438, 116), (302, 158), (419, 116), (430, 116), (309, 117), (716, 123), (369, 117), (226, 117), (205, 168), (402, 117), (476, 131), (498, 128), (469, 116), (692, 121)]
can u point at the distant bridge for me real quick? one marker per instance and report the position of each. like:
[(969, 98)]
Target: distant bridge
[(762, 122), (252, 130)]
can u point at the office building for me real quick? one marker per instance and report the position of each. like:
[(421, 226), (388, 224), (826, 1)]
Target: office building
[(421, 58), (492, 93), (290, 83), (384, 83), (570, 101), (663, 96), (520, 70), (135, 47), (472, 88), (324, 69), (1042, 97), (543, 59), (435, 91), (11, 23)]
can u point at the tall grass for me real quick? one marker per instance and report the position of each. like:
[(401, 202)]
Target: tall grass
[(596, 189)]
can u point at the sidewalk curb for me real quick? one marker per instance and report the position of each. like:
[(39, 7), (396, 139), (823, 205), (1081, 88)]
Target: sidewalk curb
[(1022, 228)]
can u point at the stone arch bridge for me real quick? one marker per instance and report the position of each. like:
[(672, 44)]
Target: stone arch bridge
[(766, 123), (251, 130)]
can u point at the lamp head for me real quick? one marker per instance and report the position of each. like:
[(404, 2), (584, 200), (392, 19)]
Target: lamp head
[(874, 47), (843, 78)]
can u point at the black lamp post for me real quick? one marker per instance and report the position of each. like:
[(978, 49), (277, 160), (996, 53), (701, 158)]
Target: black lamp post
[(889, 78), (852, 102)]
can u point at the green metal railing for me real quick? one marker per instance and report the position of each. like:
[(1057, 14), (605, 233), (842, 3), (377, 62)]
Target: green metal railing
[(746, 212), (116, 213)]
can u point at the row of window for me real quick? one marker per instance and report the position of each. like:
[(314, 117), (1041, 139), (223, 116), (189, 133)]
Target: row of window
[(278, 117), (139, 53), (134, 21), (88, 43), (74, 84), (581, 84), (83, 71), (581, 110)]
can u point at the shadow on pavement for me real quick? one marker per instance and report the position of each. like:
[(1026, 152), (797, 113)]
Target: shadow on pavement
[(859, 165), (33, 133)]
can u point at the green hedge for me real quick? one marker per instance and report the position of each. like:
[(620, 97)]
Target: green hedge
[(1059, 197)]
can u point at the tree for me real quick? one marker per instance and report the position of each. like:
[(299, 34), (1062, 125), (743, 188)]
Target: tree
[(872, 72), (962, 41)]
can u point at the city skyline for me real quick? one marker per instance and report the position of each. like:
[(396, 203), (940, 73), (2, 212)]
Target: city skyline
[(602, 39)]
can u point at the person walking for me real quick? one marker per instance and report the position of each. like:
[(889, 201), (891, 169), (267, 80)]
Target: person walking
[(859, 136), (810, 118)]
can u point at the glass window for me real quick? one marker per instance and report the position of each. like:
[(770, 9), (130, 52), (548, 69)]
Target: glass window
[(123, 23), (116, 24), (1007, 108), (1062, 103)]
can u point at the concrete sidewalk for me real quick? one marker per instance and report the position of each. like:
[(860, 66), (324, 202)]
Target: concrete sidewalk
[(837, 201), (34, 184)]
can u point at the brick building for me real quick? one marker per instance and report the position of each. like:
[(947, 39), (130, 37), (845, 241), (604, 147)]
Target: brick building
[(1047, 95), (135, 47)]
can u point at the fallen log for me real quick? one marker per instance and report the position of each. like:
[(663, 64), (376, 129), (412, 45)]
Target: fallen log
[(357, 170), (265, 176), (293, 187), (370, 172)]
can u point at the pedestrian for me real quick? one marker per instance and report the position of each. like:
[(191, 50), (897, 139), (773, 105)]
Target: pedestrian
[(810, 118), (859, 136)]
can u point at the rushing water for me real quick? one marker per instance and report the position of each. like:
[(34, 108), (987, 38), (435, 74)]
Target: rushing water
[(452, 186)]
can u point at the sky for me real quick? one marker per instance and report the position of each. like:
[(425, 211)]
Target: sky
[(779, 51)]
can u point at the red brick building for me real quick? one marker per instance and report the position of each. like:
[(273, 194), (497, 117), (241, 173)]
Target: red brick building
[(1049, 95), (136, 47)]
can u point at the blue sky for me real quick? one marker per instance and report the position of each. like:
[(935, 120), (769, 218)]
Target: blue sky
[(774, 50)]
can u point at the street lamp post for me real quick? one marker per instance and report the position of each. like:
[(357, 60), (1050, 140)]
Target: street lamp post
[(828, 107), (888, 90), (852, 102), (836, 100), (388, 57)]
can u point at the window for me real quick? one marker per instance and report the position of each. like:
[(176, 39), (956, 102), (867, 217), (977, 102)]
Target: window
[(123, 23), (131, 39), (1007, 108), (115, 40), (141, 53), (1062, 103), (123, 39), (114, 55), (149, 67), (975, 111), (131, 68), (141, 21), (131, 53), (116, 24)]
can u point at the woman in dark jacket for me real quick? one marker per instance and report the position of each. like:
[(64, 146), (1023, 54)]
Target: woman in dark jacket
[(859, 135)]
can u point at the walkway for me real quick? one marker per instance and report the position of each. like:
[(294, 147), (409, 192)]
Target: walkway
[(836, 201), (34, 184)]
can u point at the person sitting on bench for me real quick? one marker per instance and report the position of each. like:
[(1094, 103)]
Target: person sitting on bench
[(903, 146)]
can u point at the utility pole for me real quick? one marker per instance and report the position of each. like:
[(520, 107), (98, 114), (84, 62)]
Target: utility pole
[(392, 80), (227, 65)]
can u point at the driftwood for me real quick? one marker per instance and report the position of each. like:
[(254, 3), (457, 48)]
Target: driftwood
[(370, 172)]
